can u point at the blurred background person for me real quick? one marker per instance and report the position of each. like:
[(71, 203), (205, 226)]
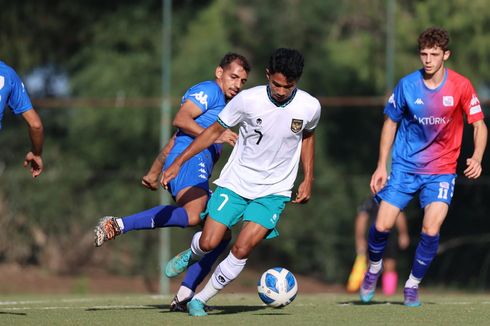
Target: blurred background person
[(366, 214)]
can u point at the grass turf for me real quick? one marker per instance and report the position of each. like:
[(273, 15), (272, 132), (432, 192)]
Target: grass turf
[(244, 309)]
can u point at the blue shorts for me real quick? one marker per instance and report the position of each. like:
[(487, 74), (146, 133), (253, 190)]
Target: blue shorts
[(402, 187), (193, 173), (228, 208)]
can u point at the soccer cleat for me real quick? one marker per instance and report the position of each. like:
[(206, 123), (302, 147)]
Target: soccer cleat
[(196, 308), (411, 297), (368, 286), (179, 306), (107, 229), (357, 274), (178, 264)]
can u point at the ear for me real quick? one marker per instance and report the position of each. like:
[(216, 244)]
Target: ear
[(218, 73), (267, 74), (447, 54)]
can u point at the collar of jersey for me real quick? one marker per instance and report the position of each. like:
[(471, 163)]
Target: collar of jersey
[(279, 104)]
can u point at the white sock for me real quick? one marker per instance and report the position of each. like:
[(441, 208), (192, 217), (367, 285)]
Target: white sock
[(120, 223), (225, 272), (375, 266), (197, 252), (412, 282), (184, 293)]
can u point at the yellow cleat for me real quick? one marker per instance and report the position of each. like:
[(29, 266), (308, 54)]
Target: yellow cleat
[(357, 274)]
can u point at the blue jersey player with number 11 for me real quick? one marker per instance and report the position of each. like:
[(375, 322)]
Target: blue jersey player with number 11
[(424, 123), (200, 107)]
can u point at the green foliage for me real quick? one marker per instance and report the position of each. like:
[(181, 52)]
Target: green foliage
[(95, 157)]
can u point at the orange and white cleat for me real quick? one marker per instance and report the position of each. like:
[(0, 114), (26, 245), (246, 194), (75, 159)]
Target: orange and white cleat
[(107, 229)]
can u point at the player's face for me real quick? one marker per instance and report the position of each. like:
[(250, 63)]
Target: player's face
[(231, 79), (433, 59), (281, 88)]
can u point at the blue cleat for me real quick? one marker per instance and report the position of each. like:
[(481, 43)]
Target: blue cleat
[(196, 308), (368, 286), (178, 264), (411, 296)]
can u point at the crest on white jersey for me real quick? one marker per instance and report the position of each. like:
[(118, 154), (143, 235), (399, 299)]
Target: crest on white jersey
[(296, 125), (447, 101)]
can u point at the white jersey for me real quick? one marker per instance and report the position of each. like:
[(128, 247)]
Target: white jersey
[(266, 157)]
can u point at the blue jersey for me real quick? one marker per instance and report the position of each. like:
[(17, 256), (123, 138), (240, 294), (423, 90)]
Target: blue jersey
[(12, 92), (196, 172), (428, 140), (209, 97)]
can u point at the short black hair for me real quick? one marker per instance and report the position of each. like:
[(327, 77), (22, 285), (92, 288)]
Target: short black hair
[(289, 62), (231, 57), (432, 37)]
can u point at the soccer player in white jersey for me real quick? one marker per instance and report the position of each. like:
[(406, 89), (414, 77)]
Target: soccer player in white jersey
[(14, 95), (277, 123)]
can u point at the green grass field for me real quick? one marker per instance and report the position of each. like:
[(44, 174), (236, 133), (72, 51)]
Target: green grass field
[(246, 309)]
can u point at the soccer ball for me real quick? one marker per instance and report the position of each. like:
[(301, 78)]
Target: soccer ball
[(277, 287)]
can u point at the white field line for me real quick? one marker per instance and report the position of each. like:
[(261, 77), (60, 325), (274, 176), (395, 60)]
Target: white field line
[(77, 307), (76, 300)]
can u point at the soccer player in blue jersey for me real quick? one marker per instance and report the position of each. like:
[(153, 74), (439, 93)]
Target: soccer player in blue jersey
[(424, 123), (14, 95), (200, 107)]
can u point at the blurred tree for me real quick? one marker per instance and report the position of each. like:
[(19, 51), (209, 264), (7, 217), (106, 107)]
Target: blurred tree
[(95, 157)]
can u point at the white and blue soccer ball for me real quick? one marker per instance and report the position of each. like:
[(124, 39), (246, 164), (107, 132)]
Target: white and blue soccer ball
[(277, 287)]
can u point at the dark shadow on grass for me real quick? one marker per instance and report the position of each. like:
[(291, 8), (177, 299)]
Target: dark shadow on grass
[(372, 303), (13, 313), (224, 310), (145, 307)]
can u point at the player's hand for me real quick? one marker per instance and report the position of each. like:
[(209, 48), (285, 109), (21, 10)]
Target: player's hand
[(150, 181), (35, 162), (303, 194), (169, 174), (473, 168), (227, 136), (378, 180)]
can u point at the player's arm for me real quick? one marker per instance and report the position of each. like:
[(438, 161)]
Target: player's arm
[(307, 162), (473, 165), (36, 134), (380, 175), (150, 180), (204, 140), (401, 225), (184, 120)]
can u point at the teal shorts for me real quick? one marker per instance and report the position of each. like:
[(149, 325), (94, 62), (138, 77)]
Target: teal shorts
[(228, 208)]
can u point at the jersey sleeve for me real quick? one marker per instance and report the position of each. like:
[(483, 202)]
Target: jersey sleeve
[(471, 104), (203, 95), (232, 113), (18, 101), (313, 122), (396, 104)]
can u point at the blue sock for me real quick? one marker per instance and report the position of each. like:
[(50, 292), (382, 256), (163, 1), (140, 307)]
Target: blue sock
[(425, 252), (376, 243), (156, 217), (198, 271)]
